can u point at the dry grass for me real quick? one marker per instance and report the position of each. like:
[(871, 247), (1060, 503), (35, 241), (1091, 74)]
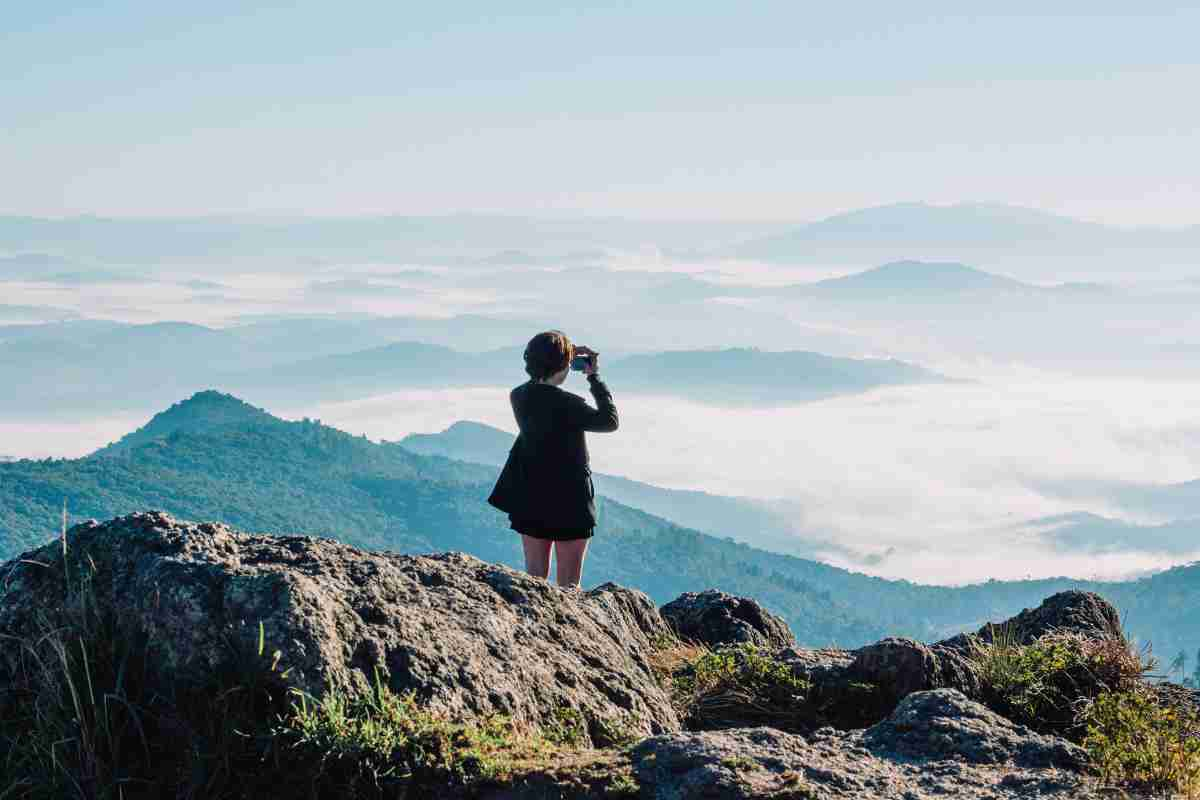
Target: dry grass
[(1047, 683)]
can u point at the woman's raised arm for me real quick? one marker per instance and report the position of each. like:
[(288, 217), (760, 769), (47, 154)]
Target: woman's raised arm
[(603, 418)]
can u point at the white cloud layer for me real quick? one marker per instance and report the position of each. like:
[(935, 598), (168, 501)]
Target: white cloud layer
[(930, 481)]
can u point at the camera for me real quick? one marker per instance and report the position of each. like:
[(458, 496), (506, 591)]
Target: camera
[(580, 363)]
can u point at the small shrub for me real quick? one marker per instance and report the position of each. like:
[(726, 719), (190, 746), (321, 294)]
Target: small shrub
[(741, 685), (567, 727), (1134, 740), (1044, 684)]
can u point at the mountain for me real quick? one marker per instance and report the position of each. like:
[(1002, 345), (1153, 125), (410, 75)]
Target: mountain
[(265, 474), (1082, 532), (378, 370), (905, 278), (465, 441), (733, 376), (755, 522), (92, 363), (745, 375), (1021, 238), (209, 411)]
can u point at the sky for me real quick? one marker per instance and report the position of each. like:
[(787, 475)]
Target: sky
[(665, 110)]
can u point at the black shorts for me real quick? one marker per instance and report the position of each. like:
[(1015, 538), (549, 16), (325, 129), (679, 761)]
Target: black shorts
[(540, 531)]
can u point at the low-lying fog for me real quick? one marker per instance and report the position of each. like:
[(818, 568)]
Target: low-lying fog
[(927, 483)]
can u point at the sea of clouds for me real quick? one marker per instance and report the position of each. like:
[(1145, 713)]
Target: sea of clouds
[(930, 483)]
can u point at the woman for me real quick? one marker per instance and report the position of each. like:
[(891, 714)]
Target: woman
[(546, 484)]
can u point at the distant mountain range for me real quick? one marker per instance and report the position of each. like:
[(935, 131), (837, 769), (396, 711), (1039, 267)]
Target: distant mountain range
[(1020, 238), (305, 242), (733, 376), (1035, 244), (214, 457), (88, 366)]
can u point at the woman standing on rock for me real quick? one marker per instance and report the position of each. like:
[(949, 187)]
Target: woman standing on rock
[(546, 484)]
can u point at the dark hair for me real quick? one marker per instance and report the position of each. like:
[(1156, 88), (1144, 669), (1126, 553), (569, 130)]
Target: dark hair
[(547, 353)]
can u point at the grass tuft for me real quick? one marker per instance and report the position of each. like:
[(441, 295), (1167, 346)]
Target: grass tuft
[(739, 685), (1046, 683)]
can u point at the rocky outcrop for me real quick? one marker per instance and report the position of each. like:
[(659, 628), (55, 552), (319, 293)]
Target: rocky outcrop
[(935, 744), (1082, 612), (716, 618), (905, 666), (471, 638)]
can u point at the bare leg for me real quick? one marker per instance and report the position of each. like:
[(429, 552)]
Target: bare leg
[(569, 556), (537, 555)]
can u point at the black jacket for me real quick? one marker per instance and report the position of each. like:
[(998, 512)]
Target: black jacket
[(547, 477)]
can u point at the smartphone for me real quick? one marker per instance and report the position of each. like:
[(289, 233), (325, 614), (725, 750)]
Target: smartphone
[(580, 363)]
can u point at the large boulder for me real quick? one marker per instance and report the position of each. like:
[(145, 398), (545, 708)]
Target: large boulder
[(857, 688), (1086, 613), (904, 666), (471, 638), (934, 744), (945, 723), (716, 618)]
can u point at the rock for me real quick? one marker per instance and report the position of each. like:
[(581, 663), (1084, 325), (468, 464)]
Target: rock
[(1083, 612), (903, 666), (817, 666), (944, 723), (471, 638), (935, 744), (716, 618)]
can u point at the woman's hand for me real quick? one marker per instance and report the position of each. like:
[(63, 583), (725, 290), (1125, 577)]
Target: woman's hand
[(594, 369)]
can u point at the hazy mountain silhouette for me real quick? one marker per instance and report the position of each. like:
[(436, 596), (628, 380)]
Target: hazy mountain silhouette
[(464, 440), (1083, 532), (918, 277), (748, 375), (980, 231)]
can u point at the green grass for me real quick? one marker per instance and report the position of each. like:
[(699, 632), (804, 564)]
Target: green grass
[(1135, 740), (1045, 684), (739, 685)]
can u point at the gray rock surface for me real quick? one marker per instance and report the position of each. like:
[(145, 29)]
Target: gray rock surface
[(945, 723), (1083, 612), (470, 637), (715, 618), (935, 744), (905, 666)]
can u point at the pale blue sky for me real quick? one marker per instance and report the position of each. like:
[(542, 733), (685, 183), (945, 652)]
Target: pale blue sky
[(750, 110)]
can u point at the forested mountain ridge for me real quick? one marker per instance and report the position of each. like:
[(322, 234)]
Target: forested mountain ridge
[(215, 458)]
